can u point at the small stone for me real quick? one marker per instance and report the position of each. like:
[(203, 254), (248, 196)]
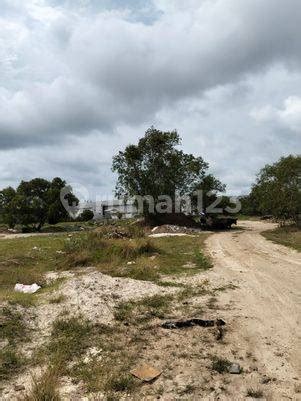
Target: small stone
[(19, 387), (234, 369)]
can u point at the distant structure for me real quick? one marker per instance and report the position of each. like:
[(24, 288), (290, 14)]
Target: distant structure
[(110, 209)]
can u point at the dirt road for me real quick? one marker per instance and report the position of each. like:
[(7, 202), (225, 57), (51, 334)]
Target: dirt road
[(266, 306)]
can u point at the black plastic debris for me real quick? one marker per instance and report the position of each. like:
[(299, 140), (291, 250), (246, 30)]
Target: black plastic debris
[(192, 322)]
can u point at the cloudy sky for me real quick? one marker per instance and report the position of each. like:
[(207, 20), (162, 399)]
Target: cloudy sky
[(80, 79)]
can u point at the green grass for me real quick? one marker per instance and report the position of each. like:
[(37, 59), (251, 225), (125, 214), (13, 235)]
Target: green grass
[(69, 339), (176, 252), (150, 259), (20, 263), (25, 260), (288, 235)]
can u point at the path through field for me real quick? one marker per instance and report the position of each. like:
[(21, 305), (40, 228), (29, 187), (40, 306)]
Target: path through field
[(267, 303)]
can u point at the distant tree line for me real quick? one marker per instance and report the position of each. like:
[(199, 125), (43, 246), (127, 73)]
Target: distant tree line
[(277, 191), (34, 203)]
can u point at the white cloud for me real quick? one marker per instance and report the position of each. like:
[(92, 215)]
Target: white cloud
[(289, 115)]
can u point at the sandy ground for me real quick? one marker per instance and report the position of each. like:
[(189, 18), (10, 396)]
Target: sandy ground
[(267, 303)]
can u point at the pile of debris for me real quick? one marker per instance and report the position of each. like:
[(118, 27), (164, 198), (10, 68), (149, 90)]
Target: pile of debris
[(116, 234), (170, 228)]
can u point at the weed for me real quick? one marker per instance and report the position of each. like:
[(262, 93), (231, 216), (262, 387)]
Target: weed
[(58, 299), (44, 388), (124, 311), (69, 339), (221, 365), (188, 389), (202, 261), (10, 363), (254, 393), (12, 326), (145, 309), (120, 382)]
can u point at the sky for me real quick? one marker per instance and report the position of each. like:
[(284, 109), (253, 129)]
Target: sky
[(81, 79)]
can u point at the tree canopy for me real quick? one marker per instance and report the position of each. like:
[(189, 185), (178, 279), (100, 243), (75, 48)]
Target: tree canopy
[(156, 167), (34, 203), (277, 190)]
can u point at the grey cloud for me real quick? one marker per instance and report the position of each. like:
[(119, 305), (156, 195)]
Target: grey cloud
[(118, 71), (87, 79)]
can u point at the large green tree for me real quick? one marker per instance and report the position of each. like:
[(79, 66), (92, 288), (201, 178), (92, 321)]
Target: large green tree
[(277, 190), (156, 167)]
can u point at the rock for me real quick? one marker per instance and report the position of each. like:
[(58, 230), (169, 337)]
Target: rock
[(19, 387), (234, 369)]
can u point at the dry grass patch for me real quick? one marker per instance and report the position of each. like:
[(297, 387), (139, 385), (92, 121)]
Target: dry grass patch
[(44, 388), (288, 235)]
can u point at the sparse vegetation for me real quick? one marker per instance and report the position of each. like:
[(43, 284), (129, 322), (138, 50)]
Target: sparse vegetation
[(285, 235), (221, 365), (57, 299), (69, 339), (254, 393), (10, 363), (12, 331), (144, 309), (44, 388), (12, 326)]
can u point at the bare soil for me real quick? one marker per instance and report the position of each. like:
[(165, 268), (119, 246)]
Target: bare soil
[(266, 306)]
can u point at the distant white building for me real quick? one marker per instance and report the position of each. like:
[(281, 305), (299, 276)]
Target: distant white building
[(113, 209)]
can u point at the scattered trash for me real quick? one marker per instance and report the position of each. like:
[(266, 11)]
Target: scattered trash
[(115, 234), (35, 248), (27, 289), (146, 373), (60, 252), (234, 369), (189, 265), (131, 262), (192, 322), (93, 354), (159, 235)]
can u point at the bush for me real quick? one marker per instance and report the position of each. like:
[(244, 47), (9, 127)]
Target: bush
[(86, 215)]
